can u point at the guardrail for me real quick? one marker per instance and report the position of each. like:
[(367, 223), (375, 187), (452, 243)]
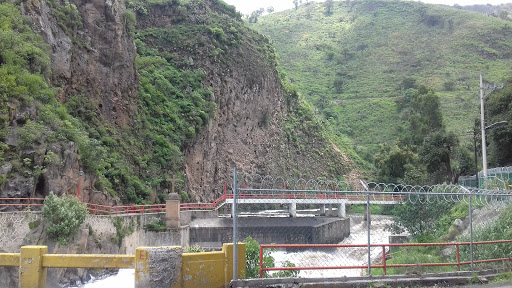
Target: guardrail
[(192, 270), (22, 203), (383, 264)]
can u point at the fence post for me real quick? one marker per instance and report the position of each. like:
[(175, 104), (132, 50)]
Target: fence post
[(31, 272), (470, 230), (368, 224), (235, 248), (261, 261), (384, 259), (458, 258)]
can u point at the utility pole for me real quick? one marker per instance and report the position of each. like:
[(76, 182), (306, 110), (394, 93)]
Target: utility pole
[(482, 124)]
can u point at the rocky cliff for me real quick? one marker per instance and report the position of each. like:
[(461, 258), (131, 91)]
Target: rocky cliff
[(153, 91)]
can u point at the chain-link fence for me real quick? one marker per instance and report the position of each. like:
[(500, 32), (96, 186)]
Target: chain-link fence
[(497, 178), (320, 228)]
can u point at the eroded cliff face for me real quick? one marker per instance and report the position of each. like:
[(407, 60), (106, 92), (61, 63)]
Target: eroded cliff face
[(257, 125), (248, 128), (92, 56)]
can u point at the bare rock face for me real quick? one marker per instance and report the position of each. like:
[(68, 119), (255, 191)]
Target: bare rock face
[(94, 61), (247, 130)]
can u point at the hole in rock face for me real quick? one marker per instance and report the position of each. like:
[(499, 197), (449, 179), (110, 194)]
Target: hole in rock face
[(41, 187), (100, 106)]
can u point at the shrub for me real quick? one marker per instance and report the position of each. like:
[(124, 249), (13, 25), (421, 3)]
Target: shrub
[(121, 231), (155, 224), (194, 249), (63, 216), (252, 255)]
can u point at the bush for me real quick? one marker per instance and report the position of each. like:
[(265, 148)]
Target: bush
[(63, 216), (194, 249), (155, 224), (252, 255)]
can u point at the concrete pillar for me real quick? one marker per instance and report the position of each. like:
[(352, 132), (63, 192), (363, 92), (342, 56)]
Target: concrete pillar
[(322, 210), (172, 211), (31, 272), (228, 258), (330, 210), (292, 208), (341, 210), (158, 267)]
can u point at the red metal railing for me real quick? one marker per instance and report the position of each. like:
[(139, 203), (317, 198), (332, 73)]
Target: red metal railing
[(383, 265), (22, 203), (158, 208)]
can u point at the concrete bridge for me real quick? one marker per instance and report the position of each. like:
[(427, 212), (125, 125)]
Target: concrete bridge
[(320, 197)]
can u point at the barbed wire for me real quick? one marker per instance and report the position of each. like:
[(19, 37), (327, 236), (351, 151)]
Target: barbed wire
[(320, 188)]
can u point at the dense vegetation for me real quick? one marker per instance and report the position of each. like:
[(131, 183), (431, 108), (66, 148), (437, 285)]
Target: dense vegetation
[(357, 62), (63, 217), (426, 153), (24, 71), (498, 108)]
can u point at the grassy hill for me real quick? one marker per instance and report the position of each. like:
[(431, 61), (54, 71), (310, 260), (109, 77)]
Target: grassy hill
[(356, 63)]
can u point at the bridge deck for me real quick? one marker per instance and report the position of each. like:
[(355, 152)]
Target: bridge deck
[(314, 198)]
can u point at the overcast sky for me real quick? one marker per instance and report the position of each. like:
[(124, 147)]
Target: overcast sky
[(247, 6)]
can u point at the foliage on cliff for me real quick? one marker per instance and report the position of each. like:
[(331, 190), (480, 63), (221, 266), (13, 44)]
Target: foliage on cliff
[(356, 64), (498, 108), (63, 216), (31, 118), (175, 100)]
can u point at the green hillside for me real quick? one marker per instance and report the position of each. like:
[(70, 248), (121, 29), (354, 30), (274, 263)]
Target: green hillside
[(356, 63)]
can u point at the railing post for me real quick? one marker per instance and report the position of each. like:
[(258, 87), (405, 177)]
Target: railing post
[(458, 258), (384, 259), (471, 230), (31, 272), (368, 224), (261, 261)]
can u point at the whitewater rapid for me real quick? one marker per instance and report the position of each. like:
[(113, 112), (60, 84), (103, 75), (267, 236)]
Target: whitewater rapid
[(328, 257)]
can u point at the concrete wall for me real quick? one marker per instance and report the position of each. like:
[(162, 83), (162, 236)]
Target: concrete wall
[(188, 216), (307, 230), (15, 231), (332, 232)]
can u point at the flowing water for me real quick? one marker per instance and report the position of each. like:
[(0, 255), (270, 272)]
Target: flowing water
[(317, 257), (341, 256)]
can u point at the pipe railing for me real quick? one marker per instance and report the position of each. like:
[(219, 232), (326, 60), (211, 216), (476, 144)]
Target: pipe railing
[(383, 265)]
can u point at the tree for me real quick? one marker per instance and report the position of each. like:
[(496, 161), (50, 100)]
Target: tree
[(498, 106), (418, 218), (253, 18), (395, 163), (436, 153), (270, 10), (296, 3), (328, 7), (63, 216)]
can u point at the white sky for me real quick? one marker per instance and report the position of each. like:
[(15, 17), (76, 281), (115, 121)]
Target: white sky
[(247, 6)]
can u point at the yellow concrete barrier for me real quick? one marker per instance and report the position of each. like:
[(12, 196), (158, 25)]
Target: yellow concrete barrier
[(88, 261), (186, 270), (32, 273), (10, 259), (211, 269)]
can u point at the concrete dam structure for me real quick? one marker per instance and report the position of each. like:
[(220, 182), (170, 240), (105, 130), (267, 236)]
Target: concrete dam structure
[(212, 232)]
